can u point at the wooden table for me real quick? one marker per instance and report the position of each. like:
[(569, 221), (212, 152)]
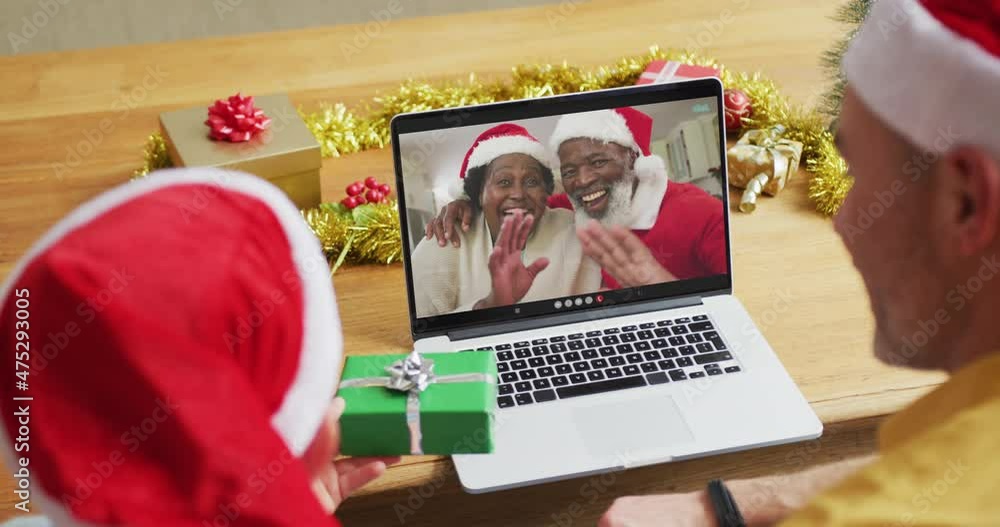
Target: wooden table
[(791, 270)]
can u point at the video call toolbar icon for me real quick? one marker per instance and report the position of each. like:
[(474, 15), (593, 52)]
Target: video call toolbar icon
[(578, 301)]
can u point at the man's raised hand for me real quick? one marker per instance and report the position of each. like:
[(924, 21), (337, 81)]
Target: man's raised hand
[(453, 216), (622, 254)]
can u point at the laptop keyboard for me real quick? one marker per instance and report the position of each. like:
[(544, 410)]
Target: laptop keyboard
[(617, 358)]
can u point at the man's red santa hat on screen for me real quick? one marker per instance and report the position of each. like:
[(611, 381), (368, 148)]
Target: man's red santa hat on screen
[(502, 139), (631, 129), (186, 347), (929, 68)]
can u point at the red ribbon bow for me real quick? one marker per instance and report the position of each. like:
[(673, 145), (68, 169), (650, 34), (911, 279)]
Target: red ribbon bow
[(236, 119)]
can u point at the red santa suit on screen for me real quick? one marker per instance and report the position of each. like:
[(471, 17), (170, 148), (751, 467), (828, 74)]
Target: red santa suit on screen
[(681, 224)]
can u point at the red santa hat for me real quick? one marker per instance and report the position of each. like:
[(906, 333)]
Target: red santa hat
[(184, 350), (502, 139), (625, 126), (929, 68)]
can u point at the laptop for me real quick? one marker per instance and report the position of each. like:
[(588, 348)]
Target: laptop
[(611, 377)]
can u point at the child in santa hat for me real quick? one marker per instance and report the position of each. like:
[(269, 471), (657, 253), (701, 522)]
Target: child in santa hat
[(178, 347)]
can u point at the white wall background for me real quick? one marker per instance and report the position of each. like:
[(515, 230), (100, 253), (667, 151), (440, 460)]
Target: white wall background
[(76, 24)]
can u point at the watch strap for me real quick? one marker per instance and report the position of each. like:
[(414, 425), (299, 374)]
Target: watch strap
[(727, 513)]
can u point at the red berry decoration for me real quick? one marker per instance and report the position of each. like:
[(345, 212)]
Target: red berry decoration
[(236, 119), (367, 191), (737, 107)]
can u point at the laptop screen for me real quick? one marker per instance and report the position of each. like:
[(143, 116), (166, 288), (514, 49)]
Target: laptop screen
[(562, 205)]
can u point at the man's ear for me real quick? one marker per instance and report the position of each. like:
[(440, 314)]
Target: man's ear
[(632, 156), (969, 185)]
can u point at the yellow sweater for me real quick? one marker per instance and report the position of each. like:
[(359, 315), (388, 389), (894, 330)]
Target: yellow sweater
[(939, 464)]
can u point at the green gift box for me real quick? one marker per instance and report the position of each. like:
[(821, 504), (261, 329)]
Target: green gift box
[(452, 414)]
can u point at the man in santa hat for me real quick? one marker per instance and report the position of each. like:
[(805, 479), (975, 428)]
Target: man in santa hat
[(922, 223), (638, 226), (177, 351)]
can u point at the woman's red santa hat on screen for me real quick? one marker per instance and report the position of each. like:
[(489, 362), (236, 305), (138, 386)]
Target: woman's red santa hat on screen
[(185, 350), (929, 69), (502, 139)]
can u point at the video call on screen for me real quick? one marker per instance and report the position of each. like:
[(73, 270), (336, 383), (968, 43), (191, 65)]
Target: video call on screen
[(564, 206)]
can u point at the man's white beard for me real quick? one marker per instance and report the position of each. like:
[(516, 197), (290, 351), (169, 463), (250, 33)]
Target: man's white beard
[(619, 211)]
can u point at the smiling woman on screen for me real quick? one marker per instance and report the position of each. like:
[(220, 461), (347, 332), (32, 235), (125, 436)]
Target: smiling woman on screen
[(514, 240)]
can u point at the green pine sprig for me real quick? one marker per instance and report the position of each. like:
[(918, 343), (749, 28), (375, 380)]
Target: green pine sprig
[(851, 14)]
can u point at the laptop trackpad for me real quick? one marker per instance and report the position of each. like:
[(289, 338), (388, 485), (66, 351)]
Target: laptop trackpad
[(632, 427)]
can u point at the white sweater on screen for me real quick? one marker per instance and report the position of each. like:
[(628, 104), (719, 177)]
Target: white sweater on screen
[(448, 279)]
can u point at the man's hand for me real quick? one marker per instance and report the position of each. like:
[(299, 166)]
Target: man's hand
[(668, 510), (762, 501), (455, 215), (343, 477), (510, 278), (622, 254)]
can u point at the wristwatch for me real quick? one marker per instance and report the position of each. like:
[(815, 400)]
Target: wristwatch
[(727, 514)]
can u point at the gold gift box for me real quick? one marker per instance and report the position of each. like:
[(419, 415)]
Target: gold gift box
[(761, 161), (285, 154)]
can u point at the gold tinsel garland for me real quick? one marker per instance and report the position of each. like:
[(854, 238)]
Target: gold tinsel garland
[(368, 233), (372, 234), (154, 156)]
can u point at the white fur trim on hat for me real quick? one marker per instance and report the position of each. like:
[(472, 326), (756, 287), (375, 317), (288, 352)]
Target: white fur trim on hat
[(495, 147), (651, 167), (653, 181), (456, 189), (602, 125), (922, 79)]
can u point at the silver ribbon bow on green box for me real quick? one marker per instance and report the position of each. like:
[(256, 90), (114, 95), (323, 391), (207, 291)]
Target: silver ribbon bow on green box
[(413, 375)]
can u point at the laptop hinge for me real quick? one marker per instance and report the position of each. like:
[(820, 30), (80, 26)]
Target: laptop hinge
[(570, 318)]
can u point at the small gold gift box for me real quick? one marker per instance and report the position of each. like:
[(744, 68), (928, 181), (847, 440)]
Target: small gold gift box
[(761, 161), (285, 154)]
